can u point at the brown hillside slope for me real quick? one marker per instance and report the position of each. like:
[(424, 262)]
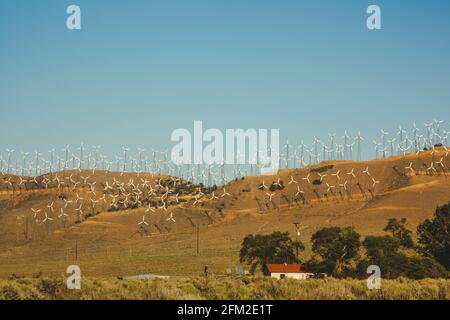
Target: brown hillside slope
[(110, 242)]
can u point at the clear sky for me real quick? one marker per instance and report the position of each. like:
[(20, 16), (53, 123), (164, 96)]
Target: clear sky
[(140, 69)]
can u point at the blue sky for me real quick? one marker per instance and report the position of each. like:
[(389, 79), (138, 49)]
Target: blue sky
[(140, 69)]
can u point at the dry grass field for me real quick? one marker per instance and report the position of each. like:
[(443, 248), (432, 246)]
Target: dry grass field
[(225, 288)]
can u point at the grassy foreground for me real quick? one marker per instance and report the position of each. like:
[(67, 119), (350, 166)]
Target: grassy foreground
[(225, 288)]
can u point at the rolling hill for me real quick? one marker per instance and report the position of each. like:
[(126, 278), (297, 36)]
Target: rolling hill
[(114, 224)]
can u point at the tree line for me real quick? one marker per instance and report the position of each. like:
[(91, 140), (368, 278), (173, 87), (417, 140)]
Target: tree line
[(342, 252)]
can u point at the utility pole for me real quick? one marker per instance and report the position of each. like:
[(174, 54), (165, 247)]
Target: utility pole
[(198, 239), (26, 228), (297, 234)]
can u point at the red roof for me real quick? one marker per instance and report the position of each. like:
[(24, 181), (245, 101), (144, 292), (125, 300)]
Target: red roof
[(285, 268)]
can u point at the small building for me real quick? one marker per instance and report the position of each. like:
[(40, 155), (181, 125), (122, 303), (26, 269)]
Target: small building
[(292, 271)]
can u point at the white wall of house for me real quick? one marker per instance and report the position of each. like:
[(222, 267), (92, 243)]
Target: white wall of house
[(298, 276)]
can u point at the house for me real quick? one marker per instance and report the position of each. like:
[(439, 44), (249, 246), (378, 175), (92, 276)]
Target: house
[(292, 271)]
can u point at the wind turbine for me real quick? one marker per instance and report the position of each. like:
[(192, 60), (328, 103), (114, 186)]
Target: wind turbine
[(302, 150), (286, 147), (316, 145), (96, 154), (10, 152), (47, 218), (292, 180), (52, 155), (143, 222), (24, 158), (383, 137), (415, 135), (377, 147), (345, 137), (66, 150), (359, 139), (400, 133), (140, 152), (37, 154), (125, 160), (438, 124), (35, 212), (225, 193), (81, 159), (429, 130), (270, 195), (391, 144), (332, 136), (171, 218)]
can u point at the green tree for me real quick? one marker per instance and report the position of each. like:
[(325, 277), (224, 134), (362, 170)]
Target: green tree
[(259, 250), (384, 252), (425, 267), (337, 248), (399, 232), (434, 236), (377, 247)]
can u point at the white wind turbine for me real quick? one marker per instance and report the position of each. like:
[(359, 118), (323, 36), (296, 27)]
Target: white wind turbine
[(225, 193), (400, 133), (52, 156), (375, 182), (352, 173), (299, 192), (316, 151), (171, 218), (429, 132), (213, 196), (383, 137), (292, 180), (37, 159), (10, 152), (329, 187), (96, 155), (345, 137), (391, 144), (62, 215), (366, 171), (47, 218), (50, 206), (35, 212), (81, 159), (350, 150), (438, 124), (270, 195), (307, 178), (337, 175), (440, 163), (321, 176), (431, 168), (24, 161), (332, 136), (125, 160), (66, 161), (359, 139), (287, 155), (416, 136), (377, 148), (410, 168), (143, 222), (140, 153), (302, 150)]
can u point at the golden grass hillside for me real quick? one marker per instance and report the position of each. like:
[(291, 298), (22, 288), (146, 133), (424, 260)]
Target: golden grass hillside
[(108, 243)]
